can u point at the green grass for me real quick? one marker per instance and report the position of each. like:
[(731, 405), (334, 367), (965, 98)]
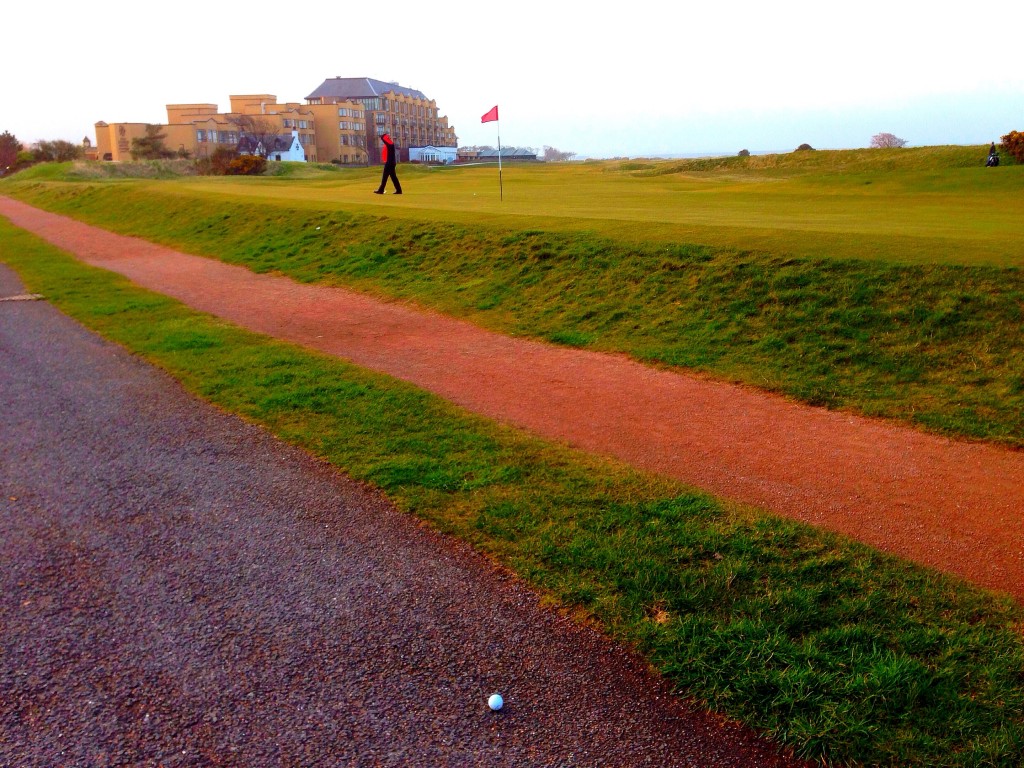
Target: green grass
[(921, 205), (844, 654), (938, 344)]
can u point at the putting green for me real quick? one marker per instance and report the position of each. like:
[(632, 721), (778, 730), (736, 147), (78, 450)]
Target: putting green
[(945, 214)]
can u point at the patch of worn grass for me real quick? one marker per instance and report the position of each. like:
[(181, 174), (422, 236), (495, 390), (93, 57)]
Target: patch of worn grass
[(846, 655)]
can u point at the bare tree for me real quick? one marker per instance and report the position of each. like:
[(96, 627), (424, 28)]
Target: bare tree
[(884, 140), (261, 132), (554, 155)]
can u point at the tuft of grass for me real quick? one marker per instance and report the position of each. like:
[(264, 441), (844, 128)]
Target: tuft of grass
[(846, 655)]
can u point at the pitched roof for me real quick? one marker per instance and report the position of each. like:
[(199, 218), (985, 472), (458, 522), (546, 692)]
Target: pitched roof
[(360, 88), (278, 143), (507, 152)]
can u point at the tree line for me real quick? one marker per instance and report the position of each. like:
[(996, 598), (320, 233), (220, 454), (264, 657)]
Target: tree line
[(15, 156)]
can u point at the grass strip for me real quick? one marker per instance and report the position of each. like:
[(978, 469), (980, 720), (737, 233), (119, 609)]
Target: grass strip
[(938, 346), (847, 655)]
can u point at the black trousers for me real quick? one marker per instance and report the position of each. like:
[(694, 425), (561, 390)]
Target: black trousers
[(389, 173)]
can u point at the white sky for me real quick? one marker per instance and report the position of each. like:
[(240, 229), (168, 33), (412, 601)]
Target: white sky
[(653, 78)]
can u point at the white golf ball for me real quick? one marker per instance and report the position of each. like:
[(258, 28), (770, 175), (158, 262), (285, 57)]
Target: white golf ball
[(495, 702)]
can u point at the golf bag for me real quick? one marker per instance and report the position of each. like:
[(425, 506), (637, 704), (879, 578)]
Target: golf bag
[(992, 162)]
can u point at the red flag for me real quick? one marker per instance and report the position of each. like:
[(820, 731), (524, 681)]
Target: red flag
[(492, 115)]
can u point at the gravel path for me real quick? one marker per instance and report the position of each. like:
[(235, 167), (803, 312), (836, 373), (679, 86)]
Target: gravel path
[(952, 505), (180, 589)]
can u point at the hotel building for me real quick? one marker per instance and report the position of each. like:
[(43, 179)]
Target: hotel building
[(340, 122), (410, 117)]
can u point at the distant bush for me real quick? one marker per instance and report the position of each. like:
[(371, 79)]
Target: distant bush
[(136, 169), (1013, 144), (151, 146), (247, 165), (59, 151), (10, 147), (228, 162), (804, 148), (744, 153), (887, 141), (221, 160)]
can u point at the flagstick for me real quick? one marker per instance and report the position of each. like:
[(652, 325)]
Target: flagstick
[(501, 192)]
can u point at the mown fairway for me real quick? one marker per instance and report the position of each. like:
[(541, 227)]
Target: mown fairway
[(928, 205)]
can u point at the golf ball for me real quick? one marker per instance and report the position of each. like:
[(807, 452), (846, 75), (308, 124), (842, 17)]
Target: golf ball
[(495, 702)]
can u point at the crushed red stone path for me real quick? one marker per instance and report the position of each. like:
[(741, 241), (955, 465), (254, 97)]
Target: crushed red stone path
[(951, 505)]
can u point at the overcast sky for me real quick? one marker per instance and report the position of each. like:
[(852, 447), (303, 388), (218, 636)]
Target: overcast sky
[(640, 79)]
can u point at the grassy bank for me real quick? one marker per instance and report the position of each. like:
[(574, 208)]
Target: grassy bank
[(847, 655), (936, 345)]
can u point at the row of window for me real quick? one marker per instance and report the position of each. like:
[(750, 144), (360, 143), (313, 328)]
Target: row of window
[(307, 139), (232, 137), (217, 137), (399, 107), (345, 125), (300, 124), (383, 124), (414, 110), (346, 112)]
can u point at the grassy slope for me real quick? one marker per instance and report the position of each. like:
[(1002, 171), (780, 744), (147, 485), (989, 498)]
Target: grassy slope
[(938, 345), (842, 653), (927, 205)]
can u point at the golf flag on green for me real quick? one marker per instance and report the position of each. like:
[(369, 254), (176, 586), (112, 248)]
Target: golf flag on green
[(492, 116)]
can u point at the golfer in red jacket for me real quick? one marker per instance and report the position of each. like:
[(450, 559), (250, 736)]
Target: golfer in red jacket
[(389, 155)]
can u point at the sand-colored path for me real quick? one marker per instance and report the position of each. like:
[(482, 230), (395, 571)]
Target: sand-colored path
[(955, 506)]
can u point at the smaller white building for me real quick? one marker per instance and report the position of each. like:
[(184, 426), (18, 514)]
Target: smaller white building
[(282, 147), (431, 154)]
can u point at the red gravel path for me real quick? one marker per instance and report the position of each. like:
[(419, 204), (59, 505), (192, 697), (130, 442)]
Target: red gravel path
[(951, 505)]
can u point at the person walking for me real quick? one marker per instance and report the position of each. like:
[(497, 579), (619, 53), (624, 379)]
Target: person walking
[(389, 155)]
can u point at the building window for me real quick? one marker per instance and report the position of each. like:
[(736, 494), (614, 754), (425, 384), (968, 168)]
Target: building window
[(200, 135)]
